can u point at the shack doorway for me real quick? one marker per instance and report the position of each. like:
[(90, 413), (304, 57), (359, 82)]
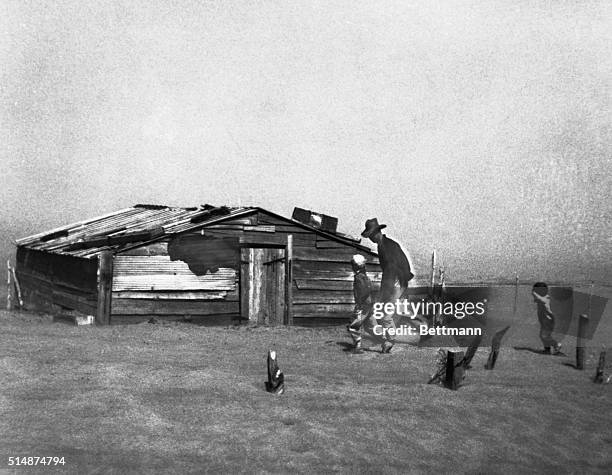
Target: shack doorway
[(263, 289)]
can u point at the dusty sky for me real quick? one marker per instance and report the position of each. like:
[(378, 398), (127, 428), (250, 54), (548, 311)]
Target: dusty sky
[(482, 129)]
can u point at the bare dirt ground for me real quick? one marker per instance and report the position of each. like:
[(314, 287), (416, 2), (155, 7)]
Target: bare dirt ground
[(180, 398)]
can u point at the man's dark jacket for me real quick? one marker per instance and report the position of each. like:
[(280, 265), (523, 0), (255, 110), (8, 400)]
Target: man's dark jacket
[(395, 266)]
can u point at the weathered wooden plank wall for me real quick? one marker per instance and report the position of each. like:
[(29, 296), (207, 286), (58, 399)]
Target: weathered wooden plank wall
[(188, 276), (196, 275), (50, 281), (323, 282), (322, 287)]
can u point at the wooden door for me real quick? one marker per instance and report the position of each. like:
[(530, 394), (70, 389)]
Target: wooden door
[(263, 285)]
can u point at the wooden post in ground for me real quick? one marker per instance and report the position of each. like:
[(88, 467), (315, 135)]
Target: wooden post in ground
[(17, 288), (599, 374), (583, 323), (9, 301), (516, 287), (495, 346), (454, 369), (105, 282), (433, 273)]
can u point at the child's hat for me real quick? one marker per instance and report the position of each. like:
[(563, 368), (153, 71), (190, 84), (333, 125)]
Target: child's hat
[(358, 260)]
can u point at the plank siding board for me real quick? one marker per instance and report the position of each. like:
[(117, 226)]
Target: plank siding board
[(229, 227), (322, 284), (321, 310), (331, 275), (179, 295), (224, 319), (248, 220), (303, 239), (154, 249), (261, 228), (290, 229), (220, 233), (310, 322), (255, 237), (264, 218), (330, 245), (70, 271), (262, 240), (343, 255), (172, 307), (323, 297), (27, 279), (37, 279), (171, 282), (161, 273), (35, 295), (48, 280), (323, 266), (85, 304)]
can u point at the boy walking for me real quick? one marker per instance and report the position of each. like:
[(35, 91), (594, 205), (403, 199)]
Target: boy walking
[(546, 318), (362, 289)]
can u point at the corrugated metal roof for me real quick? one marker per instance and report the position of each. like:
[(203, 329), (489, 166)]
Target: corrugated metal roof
[(130, 227), (120, 225)]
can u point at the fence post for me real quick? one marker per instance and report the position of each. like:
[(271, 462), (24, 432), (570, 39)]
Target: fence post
[(9, 302)]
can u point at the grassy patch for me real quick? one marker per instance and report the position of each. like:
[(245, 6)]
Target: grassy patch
[(182, 398)]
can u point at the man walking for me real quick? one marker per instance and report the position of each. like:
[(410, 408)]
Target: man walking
[(395, 269)]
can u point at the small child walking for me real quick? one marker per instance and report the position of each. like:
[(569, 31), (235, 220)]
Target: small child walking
[(362, 290), (545, 317)]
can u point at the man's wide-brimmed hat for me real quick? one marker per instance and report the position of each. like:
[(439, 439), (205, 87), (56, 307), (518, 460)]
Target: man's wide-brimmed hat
[(371, 226)]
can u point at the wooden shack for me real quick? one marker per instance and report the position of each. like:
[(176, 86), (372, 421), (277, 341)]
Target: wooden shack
[(206, 264)]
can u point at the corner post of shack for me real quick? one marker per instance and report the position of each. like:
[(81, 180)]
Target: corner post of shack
[(105, 284)]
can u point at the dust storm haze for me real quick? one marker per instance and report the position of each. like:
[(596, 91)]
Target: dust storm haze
[(482, 129)]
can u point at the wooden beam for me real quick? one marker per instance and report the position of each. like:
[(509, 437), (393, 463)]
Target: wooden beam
[(17, 288), (9, 303), (322, 284), (261, 240), (433, 273), (243, 282), (105, 284), (289, 280), (157, 307)]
